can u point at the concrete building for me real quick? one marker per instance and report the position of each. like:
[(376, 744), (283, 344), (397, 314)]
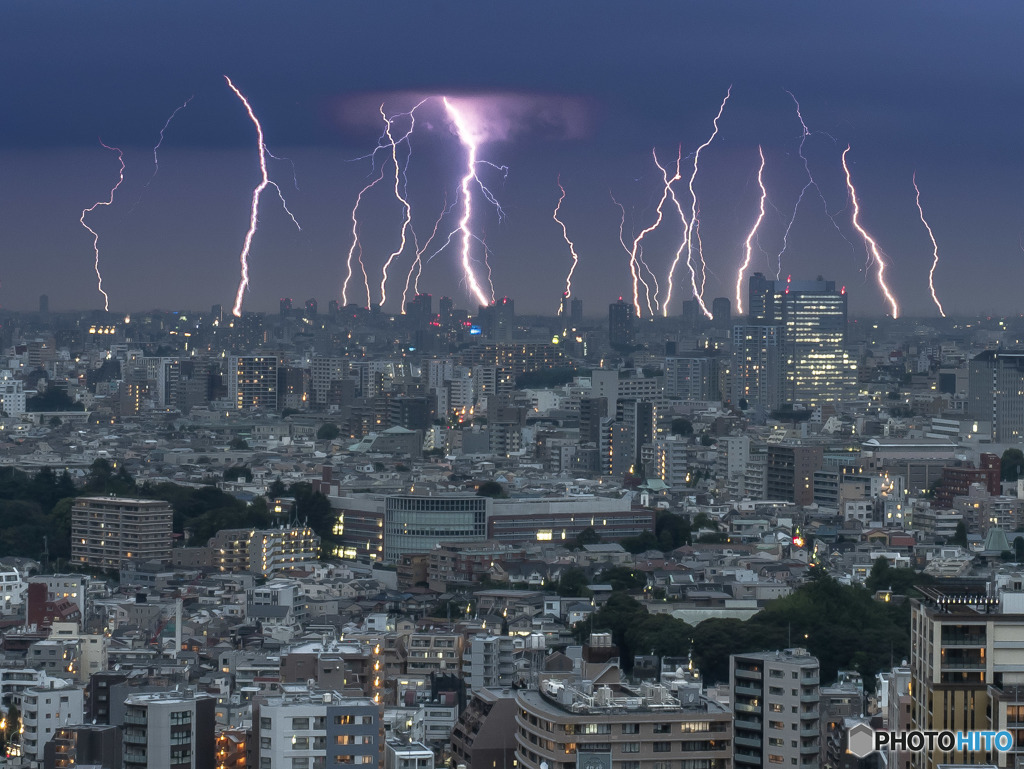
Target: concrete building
[(995, 391), (107, 532), (489, 661), (562, 727), (43, 712), (168, 730), (484, 736), (252, 381), (776, 700)]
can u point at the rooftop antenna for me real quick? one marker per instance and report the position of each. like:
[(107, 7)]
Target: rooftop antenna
[(46, 554)]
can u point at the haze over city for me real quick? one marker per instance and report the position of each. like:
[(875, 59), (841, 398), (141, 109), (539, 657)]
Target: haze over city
[(570, 92)]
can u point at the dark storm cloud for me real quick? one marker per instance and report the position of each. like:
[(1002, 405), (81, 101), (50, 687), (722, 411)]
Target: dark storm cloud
[(934, 87)]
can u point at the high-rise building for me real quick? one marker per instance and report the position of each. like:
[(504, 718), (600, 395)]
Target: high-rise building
[(498, 320), (790, 473), (285, 306), (995, 391), (810, 316), (576, 312), (775, 698), (620, 324), (420, 309), (721, 312), (692, 377), (252, 381), (310, 308), (44, 304), (106, 532), (756, 367)]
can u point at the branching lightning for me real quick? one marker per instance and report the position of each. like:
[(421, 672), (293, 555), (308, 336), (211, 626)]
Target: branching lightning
[(95, 235), (693, 230), (748, 244), (400, 195), (356, 249), (935, 249), (683, 243), (572, 246), (810, 183), (265, 181), (875, 253), (471, 142), (156, 161), (417, 264)]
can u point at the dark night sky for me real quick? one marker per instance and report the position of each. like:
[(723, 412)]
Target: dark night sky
[(588, 89)]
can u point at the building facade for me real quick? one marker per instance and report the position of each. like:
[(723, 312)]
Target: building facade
[(107, 532)]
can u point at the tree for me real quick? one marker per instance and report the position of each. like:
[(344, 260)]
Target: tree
[(880, 577), (960, 535), (236, 472), (491, 489), (238, 443), (328, 432), (573, 583), (1012, 464), (588, 536), (682, 426), (1018, 549)]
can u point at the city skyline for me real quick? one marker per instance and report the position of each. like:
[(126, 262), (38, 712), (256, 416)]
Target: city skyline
[(565, 100)]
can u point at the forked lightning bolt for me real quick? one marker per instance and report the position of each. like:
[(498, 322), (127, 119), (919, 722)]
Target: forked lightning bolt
[(471, 142), (265, 181), (416, 268), (693, 231), (810, 183), (356, 249), (572, 246), (748, 244), (935, 250), (875, 253), (95, 235)]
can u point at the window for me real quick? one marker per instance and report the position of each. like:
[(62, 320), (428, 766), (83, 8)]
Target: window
[(662, 747), (776, 690), (775, 674), (775, 759), (631, 728), (662, 728), (630, 747), (300, 723), (776, 742), (630, 765), (300, 762), (775, 707), (776, 725)]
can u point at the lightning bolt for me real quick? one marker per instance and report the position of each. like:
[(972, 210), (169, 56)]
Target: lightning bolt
[(693, 231), (935, 249), (748, 244), (810, 183), (464, 131), (685, 241), (400, 187), (417, 264), (156, 160), (875, 253), (95, 235), (356, 248), (572, 246), (265, 182)]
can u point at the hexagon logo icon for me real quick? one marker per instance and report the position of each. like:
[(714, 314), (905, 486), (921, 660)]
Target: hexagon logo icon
[(861, 740)]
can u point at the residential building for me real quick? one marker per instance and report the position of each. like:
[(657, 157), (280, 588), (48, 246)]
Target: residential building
[(168, 730), (107, 532), (252, 381)]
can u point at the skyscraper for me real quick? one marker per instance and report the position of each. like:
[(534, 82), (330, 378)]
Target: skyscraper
[(620, 324), (994, 386), (810, 316), (252, 381)]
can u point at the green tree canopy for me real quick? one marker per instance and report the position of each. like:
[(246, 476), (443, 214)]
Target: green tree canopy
[(328, 432), (1012, 464)]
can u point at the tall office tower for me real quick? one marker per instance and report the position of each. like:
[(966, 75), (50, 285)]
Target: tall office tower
[(285, 306), (721, 312), (497, 321), (775, 698), (692, 377), (333, 308), (576, 312), (563, 306), (217, 313), (252, 381), (811, 318), (310, 308), (994, 391), (107, 532), (790, 472), (760, 299), (44, 304), (756, 367), (420, 309), (620, 324)]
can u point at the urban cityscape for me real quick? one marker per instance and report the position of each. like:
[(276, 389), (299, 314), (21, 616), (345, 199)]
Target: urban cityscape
[(452, 385)]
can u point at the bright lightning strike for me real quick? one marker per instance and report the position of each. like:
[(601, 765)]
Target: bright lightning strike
[(810, 183), (416, 268), (572, 246), (935, 250), (748, 244), (265, 181), (693, 231), (95, 235), (156, 160), (399, 194), (356, 249), (683, 244), (471, 143), (873, 249)]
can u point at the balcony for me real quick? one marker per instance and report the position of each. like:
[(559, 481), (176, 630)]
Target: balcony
[(750, 691)]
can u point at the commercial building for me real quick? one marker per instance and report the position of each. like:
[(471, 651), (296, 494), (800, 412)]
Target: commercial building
[(995, 391), (107, 532), (776, 700)]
